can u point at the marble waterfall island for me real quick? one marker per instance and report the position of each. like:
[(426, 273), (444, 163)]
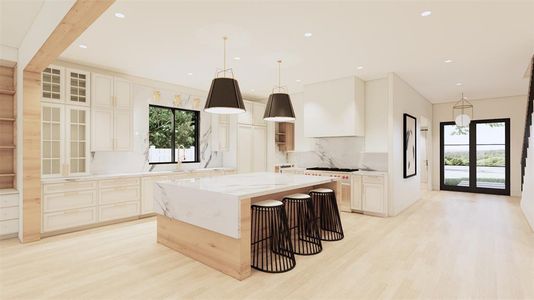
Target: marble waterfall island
[(208, 219)]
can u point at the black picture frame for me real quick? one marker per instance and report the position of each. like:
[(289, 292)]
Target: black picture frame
[(409, 148)]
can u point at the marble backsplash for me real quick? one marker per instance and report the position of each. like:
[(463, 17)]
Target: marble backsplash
[(335, 152)]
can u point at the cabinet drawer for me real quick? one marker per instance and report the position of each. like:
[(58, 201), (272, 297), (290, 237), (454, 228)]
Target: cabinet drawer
[(70, 200), (8, 227), (373, 179), (9, 213), (119, 194), (68, 186), (69, 218), (119, 182), (9, 200), (119, 211)]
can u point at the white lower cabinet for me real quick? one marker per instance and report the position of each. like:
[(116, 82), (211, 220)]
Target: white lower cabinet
[(119, 211), (69, 200), (369, 194), (9, 212), (119, 194), (69, 218)]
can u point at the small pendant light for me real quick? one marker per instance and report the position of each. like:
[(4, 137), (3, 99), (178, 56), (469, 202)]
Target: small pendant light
[(462, 112), (224, 96), (279, 107)]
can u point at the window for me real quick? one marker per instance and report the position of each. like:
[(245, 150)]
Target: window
[(173, 135)]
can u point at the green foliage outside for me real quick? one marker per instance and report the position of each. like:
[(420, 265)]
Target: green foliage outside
[(487, 158), (161, 127), (456, 181)]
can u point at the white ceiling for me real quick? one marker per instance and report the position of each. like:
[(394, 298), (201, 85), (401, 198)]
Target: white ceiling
[(490, 43), (16, 17)]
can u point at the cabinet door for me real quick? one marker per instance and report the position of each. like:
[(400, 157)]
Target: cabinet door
[(122, 92), (123, 130), (344, 202), (259, 149), (77, 140), (244, 148), (78, 87), (52, 146), (223, 137), (373, 198), (53, 84), (258, 110), (102, 91), (246, 117), (102, 130), (356, 193)]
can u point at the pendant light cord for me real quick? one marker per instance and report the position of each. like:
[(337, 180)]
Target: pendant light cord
[(279, 82), (224, 58)]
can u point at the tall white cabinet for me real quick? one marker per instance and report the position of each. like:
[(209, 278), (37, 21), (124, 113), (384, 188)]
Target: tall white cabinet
[(65, 122), (252, 139), (112, 115)]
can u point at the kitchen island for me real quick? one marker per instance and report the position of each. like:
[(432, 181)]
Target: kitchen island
[(208, 219)]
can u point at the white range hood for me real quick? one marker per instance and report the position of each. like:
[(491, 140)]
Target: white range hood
[(335, 108)]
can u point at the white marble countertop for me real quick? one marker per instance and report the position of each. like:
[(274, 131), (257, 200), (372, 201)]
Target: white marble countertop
[(252, 184), (126, 175), (214, 203)]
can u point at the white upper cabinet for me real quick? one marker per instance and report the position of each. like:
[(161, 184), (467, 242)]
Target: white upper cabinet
[(78, 87), (258, 109), (246, 117), (334, 108), (77, 133), (112, 117), (52, 139), (122, 92), (259, 146), (53, 84), (102, 89)]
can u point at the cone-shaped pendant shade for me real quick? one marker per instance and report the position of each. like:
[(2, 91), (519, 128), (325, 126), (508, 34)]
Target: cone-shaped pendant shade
[(279, 108), (224, 97)]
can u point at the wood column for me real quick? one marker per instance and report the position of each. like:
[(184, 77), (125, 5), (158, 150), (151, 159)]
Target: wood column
[(31, 157)]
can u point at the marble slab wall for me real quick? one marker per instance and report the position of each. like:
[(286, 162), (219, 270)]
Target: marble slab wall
[(137, 160), (335, 152)]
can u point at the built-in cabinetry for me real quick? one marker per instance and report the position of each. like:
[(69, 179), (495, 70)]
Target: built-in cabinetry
[(369, 194), (9, 212), (7, 127), (221, 132), (345, 118), (252, 139), (285, 136), (112, 114), (73, 204), (65, 121)]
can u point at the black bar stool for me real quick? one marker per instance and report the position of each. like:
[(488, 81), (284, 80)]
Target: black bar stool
[(327, 213), (271, 249), (304, 232)]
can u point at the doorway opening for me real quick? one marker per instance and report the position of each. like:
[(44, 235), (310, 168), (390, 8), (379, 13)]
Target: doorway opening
[(476, 158)]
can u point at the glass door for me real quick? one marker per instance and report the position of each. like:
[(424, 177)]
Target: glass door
[(476, 158)]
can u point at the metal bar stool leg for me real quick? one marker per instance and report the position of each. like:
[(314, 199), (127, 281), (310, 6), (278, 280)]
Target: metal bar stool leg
[(303, 228), (327, 214)]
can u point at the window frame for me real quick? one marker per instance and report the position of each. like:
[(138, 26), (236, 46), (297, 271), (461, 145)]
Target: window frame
[(173, 138)]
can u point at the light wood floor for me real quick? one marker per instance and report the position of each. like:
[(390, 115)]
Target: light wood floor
[(448, 245)]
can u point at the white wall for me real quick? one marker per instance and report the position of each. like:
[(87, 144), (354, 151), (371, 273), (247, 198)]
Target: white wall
[(376, 115), (507, 107), (403, 99), (527, 198), (8, 53)]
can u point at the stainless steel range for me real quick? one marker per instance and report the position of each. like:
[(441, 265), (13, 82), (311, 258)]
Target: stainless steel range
[(344, 174)]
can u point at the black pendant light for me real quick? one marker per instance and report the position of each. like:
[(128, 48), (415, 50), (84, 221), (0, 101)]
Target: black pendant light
[(224, 96), (279, 107)]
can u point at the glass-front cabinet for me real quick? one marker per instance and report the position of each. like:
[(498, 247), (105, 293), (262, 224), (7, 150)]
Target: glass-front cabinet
[(65, 117)]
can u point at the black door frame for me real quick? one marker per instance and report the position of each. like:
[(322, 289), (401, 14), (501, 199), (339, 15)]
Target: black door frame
[(472, 188)]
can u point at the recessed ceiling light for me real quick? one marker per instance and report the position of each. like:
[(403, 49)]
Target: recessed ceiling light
[(447, 61), (359, 67), (298, 80), (426, 13), (189, 73), (459, 84), (83, 46), (308, 34), (237, 58), (120, 15)]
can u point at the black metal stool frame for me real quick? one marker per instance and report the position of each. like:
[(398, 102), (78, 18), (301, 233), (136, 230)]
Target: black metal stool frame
[(304, 231), (327, 215)]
